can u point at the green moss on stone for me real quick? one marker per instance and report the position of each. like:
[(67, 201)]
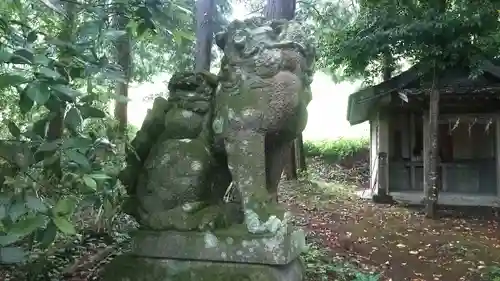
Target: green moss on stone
[(129, 268)]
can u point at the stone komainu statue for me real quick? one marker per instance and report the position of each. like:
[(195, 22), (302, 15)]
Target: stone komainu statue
[(210, 134), (216, 130), (261, 106), (171, 177)]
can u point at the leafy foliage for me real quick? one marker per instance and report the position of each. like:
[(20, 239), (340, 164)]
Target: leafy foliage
[(57, 67), (336, 149), (357, 38)]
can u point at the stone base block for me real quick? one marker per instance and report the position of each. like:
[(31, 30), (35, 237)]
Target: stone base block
[(133, 268), (231, 245)]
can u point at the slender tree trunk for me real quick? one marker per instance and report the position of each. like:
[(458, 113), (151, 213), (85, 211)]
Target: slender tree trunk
[(280, 9), (205, 10), (124, 60), (300, 156), (431, 188), (56, 124)]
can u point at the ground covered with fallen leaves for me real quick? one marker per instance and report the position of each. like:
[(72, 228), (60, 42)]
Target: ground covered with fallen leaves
[(351, 239), (396, 241)]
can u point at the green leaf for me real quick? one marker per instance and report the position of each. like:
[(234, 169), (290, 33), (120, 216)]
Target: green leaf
[(40, 127), (13, 129), (64, 225), (38, 93), (64, 207), (32, 36), (108, 209), (51, 160), (91, 112), (66, 90), (9, 239), (22, 56), (41, 60), (54, 5), (12, 255), (5, 56), (78, 158), (182, 34), (16, 210), (9, 79), (49, 72), (77, 142), (48, 146), (36, 204), (49, 235), (3, 212), (90, 182), (73, 119), (100, 176), (27, 225), (25, 103), (114, 34)]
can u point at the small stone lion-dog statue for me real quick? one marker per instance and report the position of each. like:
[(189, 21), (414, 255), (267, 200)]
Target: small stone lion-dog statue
[(172, 178)]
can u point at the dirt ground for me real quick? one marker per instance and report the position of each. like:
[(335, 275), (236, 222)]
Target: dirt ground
[(395, 240)]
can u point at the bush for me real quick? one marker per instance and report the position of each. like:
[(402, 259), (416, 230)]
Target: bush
[(337, 149)]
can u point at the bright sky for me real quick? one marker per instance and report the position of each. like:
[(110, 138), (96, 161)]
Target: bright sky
[(327, 110)]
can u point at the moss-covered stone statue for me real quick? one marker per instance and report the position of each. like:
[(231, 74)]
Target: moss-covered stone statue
[(264, 89), (171, 174), (212, 135)]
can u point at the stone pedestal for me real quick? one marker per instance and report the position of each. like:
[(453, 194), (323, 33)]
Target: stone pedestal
[(228, 255)]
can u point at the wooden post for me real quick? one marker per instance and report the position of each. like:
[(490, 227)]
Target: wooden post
[(300, 156), (497, 151), (431, 162), (383, 170)]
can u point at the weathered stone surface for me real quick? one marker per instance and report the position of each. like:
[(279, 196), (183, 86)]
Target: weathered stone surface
[(217, 136), (172, 176), (231, 245), (130, 268), (261, 101)]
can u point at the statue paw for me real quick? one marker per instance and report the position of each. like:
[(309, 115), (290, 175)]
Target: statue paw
[(269, 219)]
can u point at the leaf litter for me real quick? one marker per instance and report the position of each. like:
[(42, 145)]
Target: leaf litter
[(396, 240)]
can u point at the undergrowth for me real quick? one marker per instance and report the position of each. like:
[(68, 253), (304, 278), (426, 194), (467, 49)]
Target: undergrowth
[(320, 266), (493, 274), (336, 149)]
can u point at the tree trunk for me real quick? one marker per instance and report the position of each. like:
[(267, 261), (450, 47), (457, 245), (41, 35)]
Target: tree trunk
[(300, 156), (124, 60), (430, 188), (290, 168), (280, 9), (285, 9), (56, 124), (205, 10)]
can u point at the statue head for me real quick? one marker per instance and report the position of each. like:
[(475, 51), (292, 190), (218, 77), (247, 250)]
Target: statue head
[(191, 87), (261, 40)]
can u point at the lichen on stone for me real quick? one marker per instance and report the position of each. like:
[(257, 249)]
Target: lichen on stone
[(263, 93)]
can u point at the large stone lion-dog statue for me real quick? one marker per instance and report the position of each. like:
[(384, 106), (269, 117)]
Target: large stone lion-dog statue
[(261, 107)]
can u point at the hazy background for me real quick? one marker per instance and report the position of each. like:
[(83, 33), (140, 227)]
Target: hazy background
[(327, 110)]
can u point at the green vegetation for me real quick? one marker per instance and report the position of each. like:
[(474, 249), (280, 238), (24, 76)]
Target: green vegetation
[(321, 267), (493, 274), (336, 149)]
